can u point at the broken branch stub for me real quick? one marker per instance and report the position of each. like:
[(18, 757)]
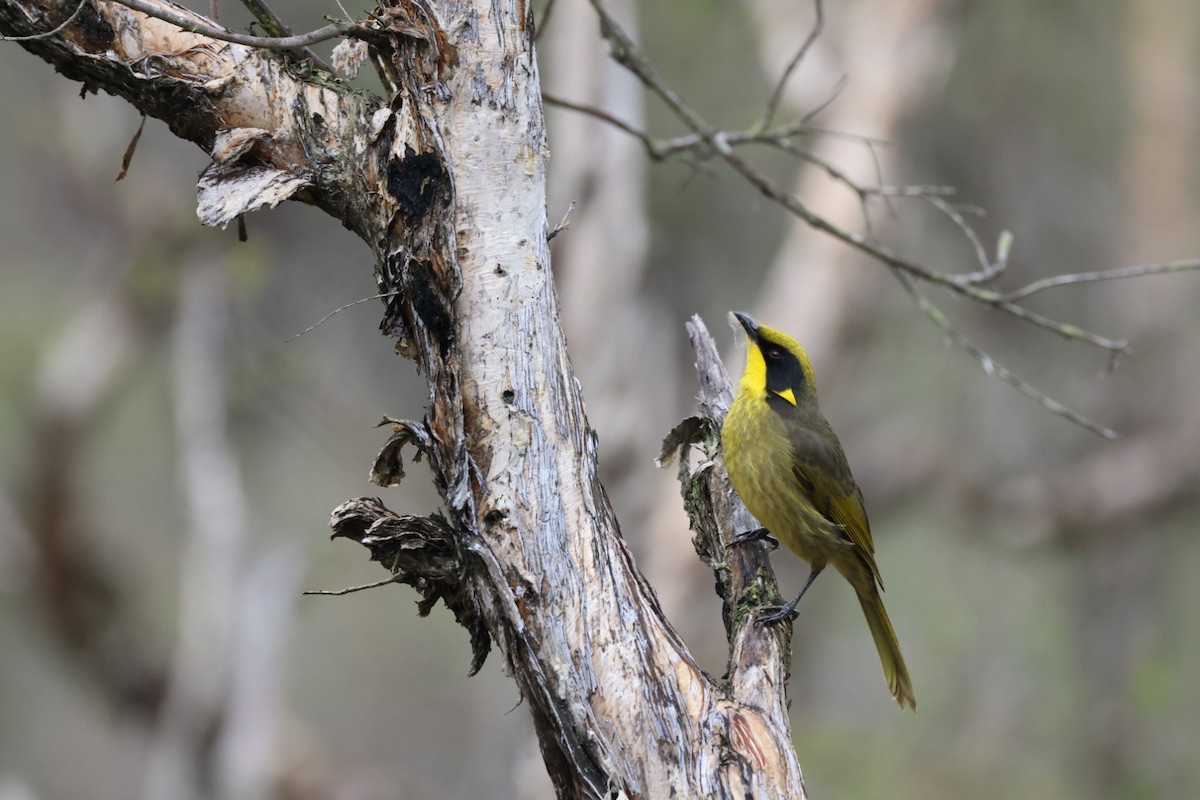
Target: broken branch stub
[(420, 551)]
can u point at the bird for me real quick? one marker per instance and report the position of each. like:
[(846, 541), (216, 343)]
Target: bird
[(788, 467)]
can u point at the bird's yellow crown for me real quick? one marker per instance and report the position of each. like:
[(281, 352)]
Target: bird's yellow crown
[(776, 362)]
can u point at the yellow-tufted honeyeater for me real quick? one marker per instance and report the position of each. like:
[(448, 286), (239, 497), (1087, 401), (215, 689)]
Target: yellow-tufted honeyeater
[(788, 467)]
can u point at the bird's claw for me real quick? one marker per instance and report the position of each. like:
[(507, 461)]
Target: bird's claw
[(755, 535), (774, 615)]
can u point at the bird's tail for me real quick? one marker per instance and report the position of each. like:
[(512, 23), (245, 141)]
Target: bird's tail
[(894, 669)]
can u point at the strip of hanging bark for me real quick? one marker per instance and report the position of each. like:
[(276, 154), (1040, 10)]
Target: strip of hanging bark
[(421, 552), (127, 159), (227, 192), (388, 469)]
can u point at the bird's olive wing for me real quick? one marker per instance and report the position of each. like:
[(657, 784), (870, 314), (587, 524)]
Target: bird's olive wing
[(821, 469)]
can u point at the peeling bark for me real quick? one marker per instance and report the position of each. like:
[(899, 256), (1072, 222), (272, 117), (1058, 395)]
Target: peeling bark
[(420, 551), (445, 182)]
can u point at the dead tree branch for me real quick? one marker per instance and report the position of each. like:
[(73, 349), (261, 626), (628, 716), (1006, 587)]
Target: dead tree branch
[(705, 140), (445, 182), (195, 23)]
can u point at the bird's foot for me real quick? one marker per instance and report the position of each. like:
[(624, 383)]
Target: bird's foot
[(774, 615), (755, 535)]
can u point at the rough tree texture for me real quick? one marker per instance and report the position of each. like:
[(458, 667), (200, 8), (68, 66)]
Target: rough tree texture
[(446, 184)]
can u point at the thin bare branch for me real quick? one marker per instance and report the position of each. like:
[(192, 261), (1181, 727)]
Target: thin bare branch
[(49, 33), (600, 114), (913, 191), (811, 157), (1063, 329), (954, 214), (824, 104), (200, 25), (1186, 265), (850, 137), (274, 25), (626, 52), (992, 269), (699, 145), (352, 589), (777, 96), (693, 143), (991, 367), (267, 18), (342, 308), (563, 223)]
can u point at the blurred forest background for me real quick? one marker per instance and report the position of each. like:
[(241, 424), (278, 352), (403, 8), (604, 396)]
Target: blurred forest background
[(168, 459)]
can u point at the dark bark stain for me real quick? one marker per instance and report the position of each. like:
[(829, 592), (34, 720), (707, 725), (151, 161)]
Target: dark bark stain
[(414, 181), (91, 30), (429, 302)]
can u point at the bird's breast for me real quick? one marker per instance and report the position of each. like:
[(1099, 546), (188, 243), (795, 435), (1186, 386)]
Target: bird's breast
[(761, 465)]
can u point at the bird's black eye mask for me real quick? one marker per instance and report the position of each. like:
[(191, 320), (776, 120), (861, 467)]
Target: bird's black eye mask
[(783, 368)]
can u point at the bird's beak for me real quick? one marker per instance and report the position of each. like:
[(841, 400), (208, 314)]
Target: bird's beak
[(750, 325)]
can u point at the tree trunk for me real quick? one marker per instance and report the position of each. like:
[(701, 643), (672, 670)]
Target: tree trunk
[(445, 182)]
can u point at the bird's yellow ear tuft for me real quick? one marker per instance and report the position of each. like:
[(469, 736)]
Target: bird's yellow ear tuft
[(789, 395)]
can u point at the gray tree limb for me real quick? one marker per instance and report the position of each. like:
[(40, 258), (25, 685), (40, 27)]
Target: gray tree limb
[(445, 182)]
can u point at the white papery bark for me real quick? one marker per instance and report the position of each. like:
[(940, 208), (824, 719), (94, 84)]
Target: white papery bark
[(445, 182)]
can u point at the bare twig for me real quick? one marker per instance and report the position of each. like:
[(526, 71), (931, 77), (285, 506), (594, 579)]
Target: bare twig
[(991, 367), (267, 18), (626, 53), (824, 104), (1054, 281), (600, 114), (352, 589), (563, 223), (901, 264), (913, 191), (776, 96), (722, 144), (692, 143), (1063, 329), (954, 214), (274, 25), (343, 308), (127, 159), (874, 141), (197, 24), (49, 33)]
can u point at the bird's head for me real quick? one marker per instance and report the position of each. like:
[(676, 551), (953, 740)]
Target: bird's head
[(776, 363)]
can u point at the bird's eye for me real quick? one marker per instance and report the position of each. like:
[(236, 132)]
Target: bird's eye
[(774, 353)]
